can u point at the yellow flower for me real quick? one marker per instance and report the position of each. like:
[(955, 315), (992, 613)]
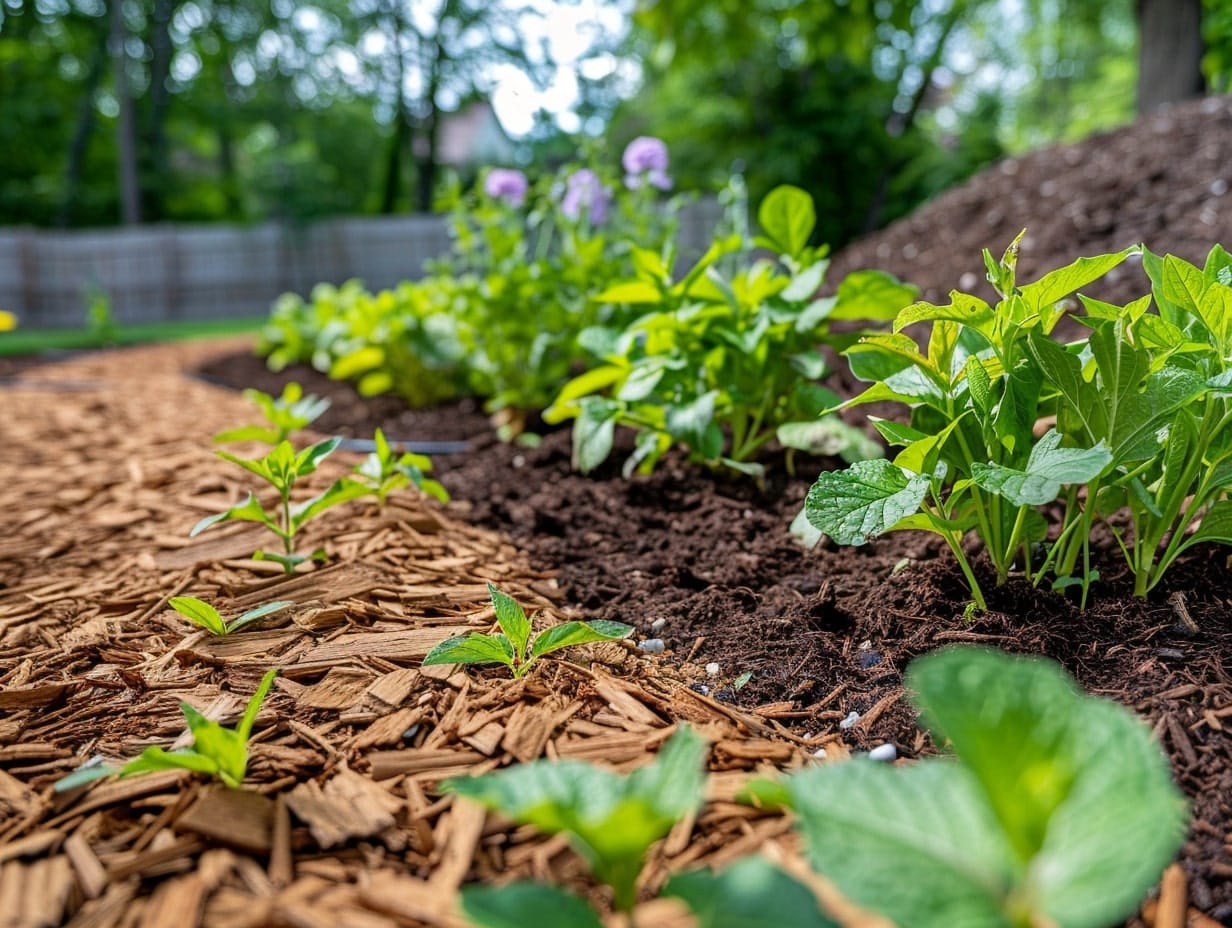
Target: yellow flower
[(7, 321)]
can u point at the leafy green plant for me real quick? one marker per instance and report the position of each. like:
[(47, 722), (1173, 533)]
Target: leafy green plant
[(611, 820), (217, 751), (513, 646), (970, 457), (281, 468), (203, 615), (384, 471), (725, 364), (284, 416), (100, 318), (1057, 809)]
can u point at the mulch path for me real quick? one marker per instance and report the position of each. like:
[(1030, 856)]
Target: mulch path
[(705, 562), (105, 464)]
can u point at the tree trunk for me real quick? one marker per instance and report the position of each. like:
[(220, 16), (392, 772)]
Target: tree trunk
[(126, 125), (156, 181), (1169, 52), (85, 128)]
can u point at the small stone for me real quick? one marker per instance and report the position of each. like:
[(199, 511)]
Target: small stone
[(883, 752), (658, 625), (850, 721), (409, 735), (819, 753), (653, 646), (727, 694), (870, 659), (519, 460), (901, 566), (712, 669), (700, 688)]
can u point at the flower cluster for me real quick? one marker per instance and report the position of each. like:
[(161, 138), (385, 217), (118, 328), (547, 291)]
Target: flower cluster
[(645, 162), (506, 184), (585, 191)]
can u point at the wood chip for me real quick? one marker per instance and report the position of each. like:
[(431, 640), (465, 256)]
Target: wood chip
[(241, 819), (350, 806)]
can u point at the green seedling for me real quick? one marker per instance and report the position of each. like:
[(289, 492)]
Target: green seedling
[(203, 615), (217, 751), (514, 647), (1057, 809), (384, 471), (611, 820), (281, 468), (284, 416)]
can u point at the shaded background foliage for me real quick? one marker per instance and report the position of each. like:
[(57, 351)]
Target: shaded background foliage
[(197, 110)]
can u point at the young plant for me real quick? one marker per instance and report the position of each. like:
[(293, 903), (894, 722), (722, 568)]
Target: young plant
[(284, 416), (1058, 809), (281, 468), (611, 820), (514, 647), (725, 364), (384, 471), (203, 615), (970, 457), (217, 751)]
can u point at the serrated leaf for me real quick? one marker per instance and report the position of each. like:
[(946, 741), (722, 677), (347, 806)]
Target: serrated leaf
[(199, 613), (512, 619), (859, 503), (1048, 468), (520, 904), (472, 649), (568, 634), (744, 893)]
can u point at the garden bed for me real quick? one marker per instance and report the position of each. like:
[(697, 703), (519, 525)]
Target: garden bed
[(105, 478)]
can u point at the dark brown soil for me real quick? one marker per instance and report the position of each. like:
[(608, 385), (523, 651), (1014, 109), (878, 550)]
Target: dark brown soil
[(705, 563), (1165, 181)]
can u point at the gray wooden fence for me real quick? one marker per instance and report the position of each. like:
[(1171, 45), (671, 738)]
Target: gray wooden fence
[(184, 272)]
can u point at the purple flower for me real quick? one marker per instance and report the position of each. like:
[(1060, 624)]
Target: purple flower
[(645, 161), (584, 191), (506, 184)]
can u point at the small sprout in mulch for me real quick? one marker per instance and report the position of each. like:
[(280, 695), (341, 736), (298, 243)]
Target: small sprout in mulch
[(284, 416), (514, 646), (217, 751), (203, 615)]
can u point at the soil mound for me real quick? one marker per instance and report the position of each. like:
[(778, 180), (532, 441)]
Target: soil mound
[(1166, 181)]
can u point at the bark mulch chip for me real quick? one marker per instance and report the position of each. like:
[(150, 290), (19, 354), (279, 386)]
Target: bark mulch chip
[(339, 823)]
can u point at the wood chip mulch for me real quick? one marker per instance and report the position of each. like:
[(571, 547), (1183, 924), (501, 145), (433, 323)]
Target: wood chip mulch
[(105, 464)]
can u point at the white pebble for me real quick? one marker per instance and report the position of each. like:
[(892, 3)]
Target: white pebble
[(658, 625), (850, 721), (712, 669), (519, 460), (653, 646), (883, 752), (820, 752)]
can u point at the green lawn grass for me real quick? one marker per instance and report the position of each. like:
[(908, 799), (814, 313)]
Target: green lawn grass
[(36, 341)]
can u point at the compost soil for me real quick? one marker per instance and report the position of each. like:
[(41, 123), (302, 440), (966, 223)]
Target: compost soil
[(704, 561)]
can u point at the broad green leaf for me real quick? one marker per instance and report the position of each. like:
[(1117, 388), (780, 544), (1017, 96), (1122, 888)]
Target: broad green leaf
[(1218, 267), (1063, 370), (693, 423), (804, 285), (340, 491), (649, 263), (872, 295), (1015, 415), (1083, 795), (520, 904), (365, 359), (896, 433), (611, 820), (1060, 283), (829, 437), (882, 357), (472, 649), (594, 380), (1144, 414), (1216, 525), (1048, 468), (634, 292), (248, 511), (963, 308), (308, 460), (593, 433), (223, 746), (917, 844), (787, 217), (803, 531), (921, 454), (375, 383), (859, 503), (568, 634), (199, 613), (815, 314), (511, 618), (742, 896)]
